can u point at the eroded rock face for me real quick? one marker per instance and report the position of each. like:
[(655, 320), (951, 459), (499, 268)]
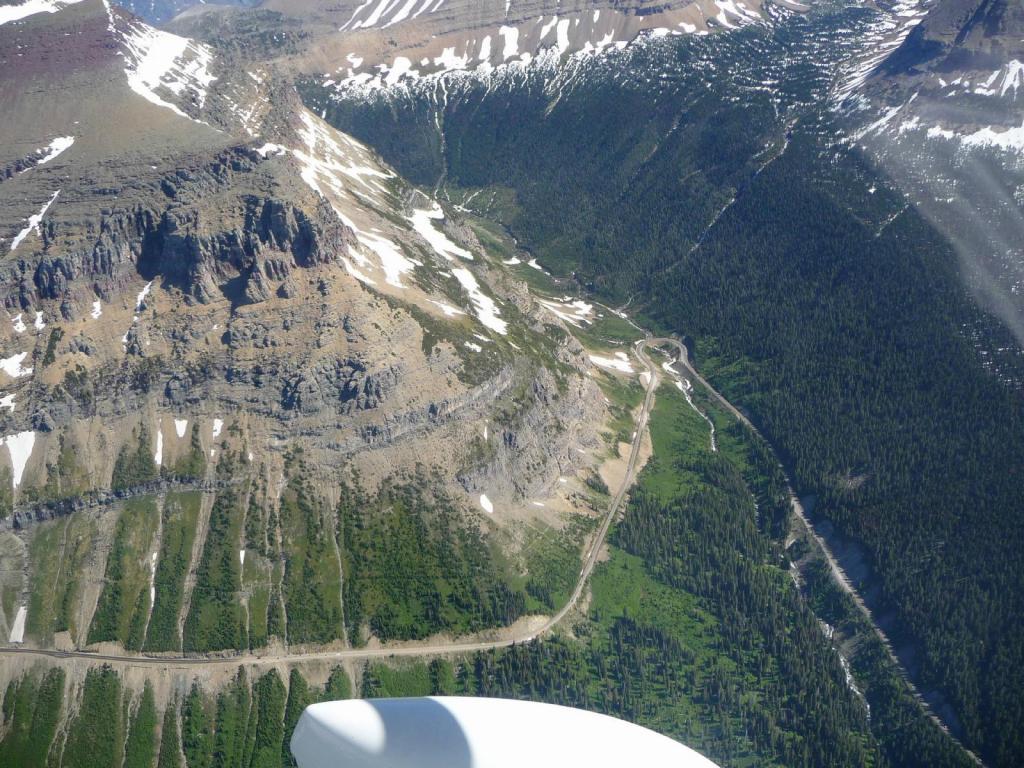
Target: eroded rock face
[(187, 284)]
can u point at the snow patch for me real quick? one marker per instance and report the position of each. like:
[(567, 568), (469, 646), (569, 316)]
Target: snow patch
[(180, 425), (218, 426), (31, 8), (39, 324), (18, 324), (12, 366), (612, 363), (56, 148), (158, 455), (18, 630), (448, 309), (486, 308), (423, 223), (486, 504), (576, 313), (97, 310), (20, 447), (33, 222), (7, 401), (155, 59)]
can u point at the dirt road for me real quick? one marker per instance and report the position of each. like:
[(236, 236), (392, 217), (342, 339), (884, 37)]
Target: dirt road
[(838, 574), (426, 649)]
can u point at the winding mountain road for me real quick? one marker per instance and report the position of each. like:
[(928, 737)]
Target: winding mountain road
[(423, 649), (472, 646), (838, 574)]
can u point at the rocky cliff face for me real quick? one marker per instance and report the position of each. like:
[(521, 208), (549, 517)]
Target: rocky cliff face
[(193, 261)]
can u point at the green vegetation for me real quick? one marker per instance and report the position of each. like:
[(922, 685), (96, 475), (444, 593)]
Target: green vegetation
[(140, 749), (837, 319), (135, 465), (96, 734), (552, 561), (312, 580), (180, 521), (57, 554), (266, 722), (216, 619), (31, 711), (50, 355), (233, 706), (299, 697), (413, 567), (6, 493), (170, 740), (123, 607), (196, 729), (191, 466), (384, 681), (64, 479)]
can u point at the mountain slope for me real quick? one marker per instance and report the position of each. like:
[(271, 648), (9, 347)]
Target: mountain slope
[(226, 297), (718, 186)]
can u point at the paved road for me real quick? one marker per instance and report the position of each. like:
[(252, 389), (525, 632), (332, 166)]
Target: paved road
[(838, 574), (426, 649)]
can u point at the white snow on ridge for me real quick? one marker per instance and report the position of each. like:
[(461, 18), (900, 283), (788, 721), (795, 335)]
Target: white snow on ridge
[(156, 59), (31, 8), (33, 223), (20, 447), (1011, 139)]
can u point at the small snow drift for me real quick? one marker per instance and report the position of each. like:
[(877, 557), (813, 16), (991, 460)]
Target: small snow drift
[(12, 366), (475, 733), (33, 223), (618, 363), (20, 447), (31, 8), (18, 630)]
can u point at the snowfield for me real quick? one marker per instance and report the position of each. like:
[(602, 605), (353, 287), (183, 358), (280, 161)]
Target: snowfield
[(618, 363), (157, 60)]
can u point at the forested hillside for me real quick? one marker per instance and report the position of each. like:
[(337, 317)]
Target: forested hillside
[(714, 199)]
